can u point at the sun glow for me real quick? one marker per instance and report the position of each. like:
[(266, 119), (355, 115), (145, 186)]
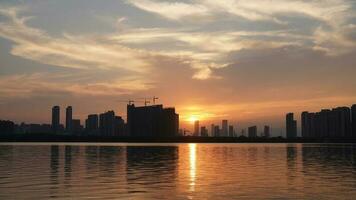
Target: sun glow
[(193, 118)]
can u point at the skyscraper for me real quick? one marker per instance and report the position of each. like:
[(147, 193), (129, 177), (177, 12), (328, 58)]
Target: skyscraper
[(224, 128), (305, 119), (152, 121), (212, 131), (196, 128), (107, 123), (55, 119), (231, 131), (266, 131), (291, 126), (252, 131), (91, 124), (353, 118), (69, 118)]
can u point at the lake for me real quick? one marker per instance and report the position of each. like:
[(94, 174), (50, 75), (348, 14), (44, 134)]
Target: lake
[(177, 171)]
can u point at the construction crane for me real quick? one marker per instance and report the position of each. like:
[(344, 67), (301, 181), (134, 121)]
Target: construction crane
[(154, 99), (130, 102)]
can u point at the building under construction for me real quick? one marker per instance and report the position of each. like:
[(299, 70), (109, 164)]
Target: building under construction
[(151, 121)]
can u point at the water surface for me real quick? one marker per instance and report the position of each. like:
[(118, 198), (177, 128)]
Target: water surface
[(177, 171)]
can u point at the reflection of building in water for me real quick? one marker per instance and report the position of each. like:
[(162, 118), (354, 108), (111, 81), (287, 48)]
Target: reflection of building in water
[(160, 162)]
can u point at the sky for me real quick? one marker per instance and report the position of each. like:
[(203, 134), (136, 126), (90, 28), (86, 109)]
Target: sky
[(250, 62)]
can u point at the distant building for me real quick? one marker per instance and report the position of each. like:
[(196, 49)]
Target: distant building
[(216, 131), (76, 127), (252, 131), (231, 131), (91, 124), (196, 128), (212, 130), (291, 126), (203, 131), (305, 119), (69, 117), (224, 128), (107, 123), (152, 121), (56, 119), (119, 126), (267, 132), (7, 127), (353, 118)]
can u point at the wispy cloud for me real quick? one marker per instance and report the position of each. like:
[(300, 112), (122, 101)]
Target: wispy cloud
[(35, 84), (68, 51)]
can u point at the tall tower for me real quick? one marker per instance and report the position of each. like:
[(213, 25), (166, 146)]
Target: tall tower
[(69, 118), (224, 128), (196, 128), (353, 118), (291, 126), (55, 119)]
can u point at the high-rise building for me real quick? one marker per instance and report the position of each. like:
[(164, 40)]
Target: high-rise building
[(217, 131), (55, 119), (76, 127), (305, 119), (107, 123), (267, 132), (91, 123), (196, 128), (203, 131), (231, 131), (224, 128), (212, 131), (152, 121), (353, 116), (69, 117), (252, 131), (291, 126)]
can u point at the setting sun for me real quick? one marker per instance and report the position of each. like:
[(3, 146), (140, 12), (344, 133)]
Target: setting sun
[(193, 118)]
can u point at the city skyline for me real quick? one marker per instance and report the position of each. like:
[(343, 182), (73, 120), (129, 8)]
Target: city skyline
[(238, 60)]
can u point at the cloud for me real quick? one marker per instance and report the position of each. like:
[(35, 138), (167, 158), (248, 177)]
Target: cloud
[(330, 32), (36, 84), (173, 11), (81, 52)]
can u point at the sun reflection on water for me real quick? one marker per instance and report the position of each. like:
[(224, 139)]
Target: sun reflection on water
[(192, 164)]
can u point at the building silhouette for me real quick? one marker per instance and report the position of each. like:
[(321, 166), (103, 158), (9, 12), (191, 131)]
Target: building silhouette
[(217, 131), (231, 131), (212, 130), (329, 123), (69, 118), (204, 131), (291, 126), (252, 131), (224, 128), (107, 123), (76, 128), (353, 118), (152, 121), (7, 127), (91, 124), (267, 132), (196, 128), (56, 119)]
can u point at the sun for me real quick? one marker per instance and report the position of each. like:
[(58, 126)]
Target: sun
[(193, 118)]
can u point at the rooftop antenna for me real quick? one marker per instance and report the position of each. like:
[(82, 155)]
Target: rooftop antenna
[(154, 99)]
